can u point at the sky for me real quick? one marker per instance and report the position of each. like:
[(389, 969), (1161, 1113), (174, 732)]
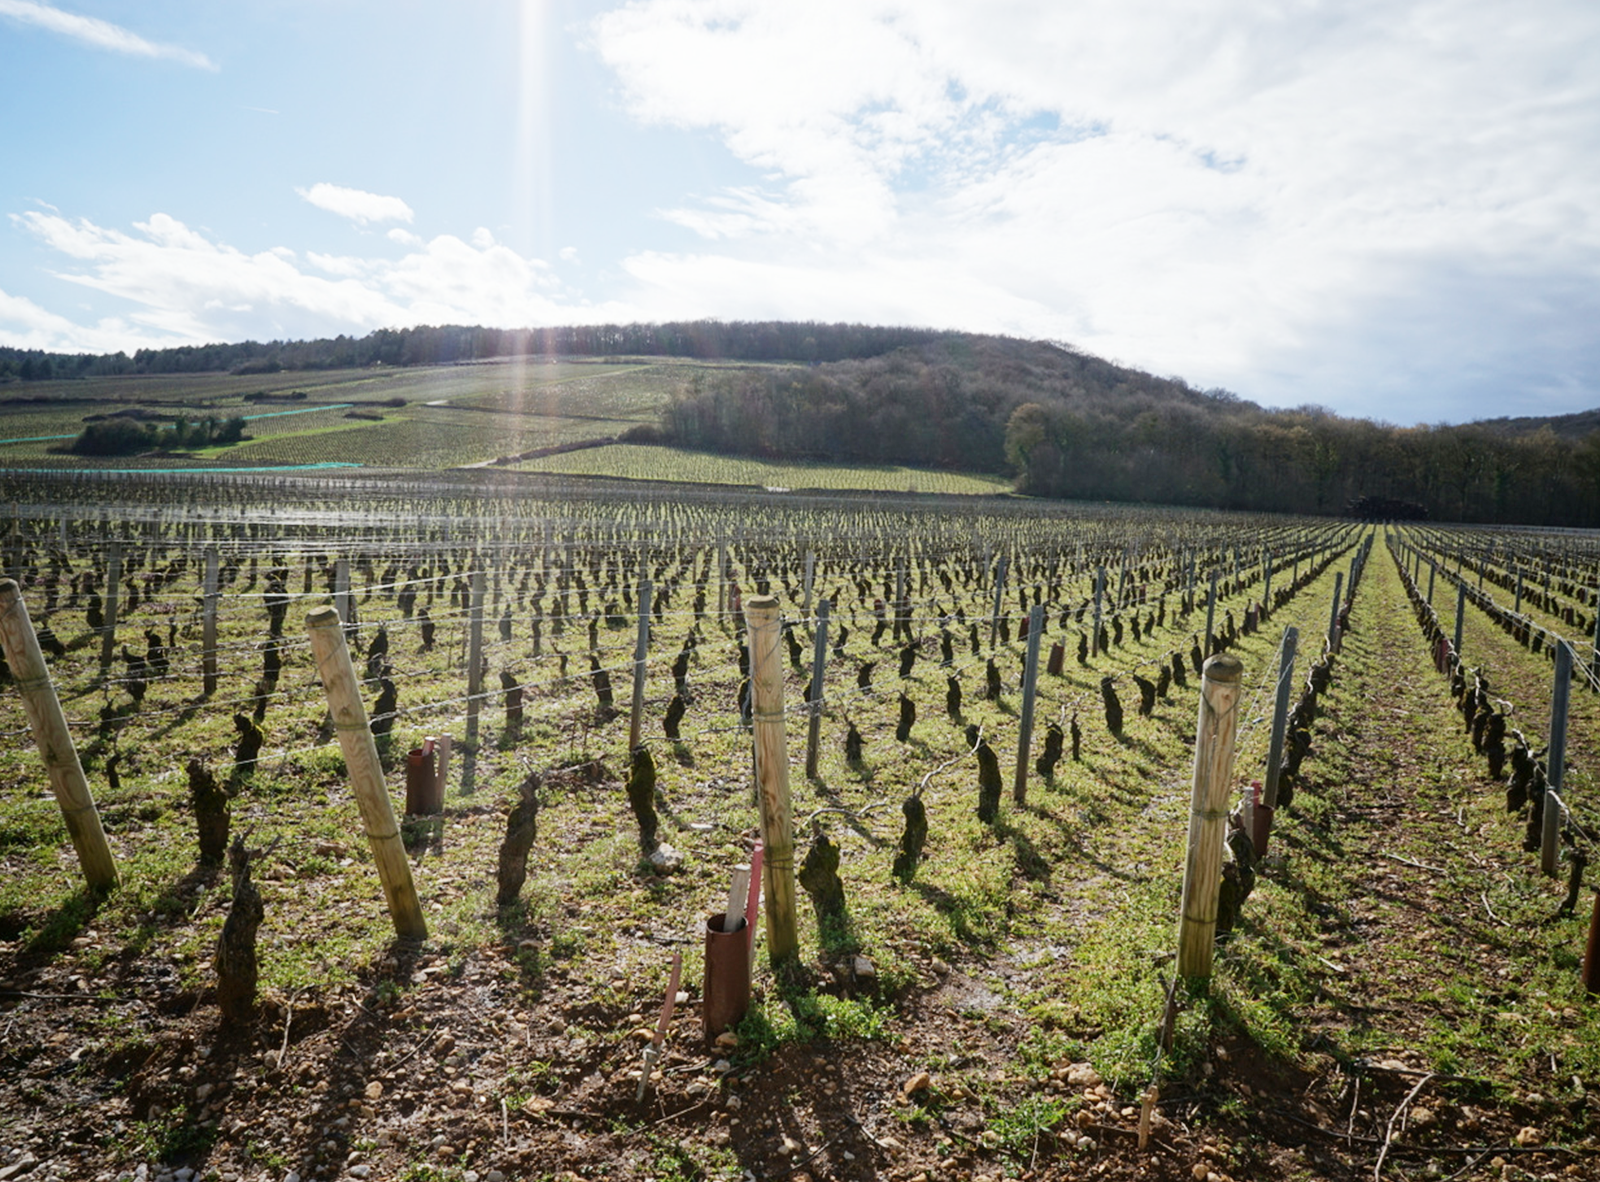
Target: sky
[(1390, 209)]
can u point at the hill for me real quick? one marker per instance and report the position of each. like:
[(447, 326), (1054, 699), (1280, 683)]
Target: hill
[(1057, 421)]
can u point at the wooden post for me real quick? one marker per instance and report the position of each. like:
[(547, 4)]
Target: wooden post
[(54, 741), (1211, 608), (1517, 607), (819, 656), (366, 774), (1208, 812), (1099, 592), (1266, 590), (1433, 569), (1030, 683), (108, 634), (1461, 612), (341, 589), (1333, 616), (641, 648), (208, 641), (1594, 663), (772, 765), (722, 578), (999, 590), (474, 657), (1280, 718), (811, 570), (1555, 761)]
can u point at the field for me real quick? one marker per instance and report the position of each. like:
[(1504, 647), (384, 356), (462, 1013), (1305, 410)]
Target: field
[(637, 462), (1399, 995)]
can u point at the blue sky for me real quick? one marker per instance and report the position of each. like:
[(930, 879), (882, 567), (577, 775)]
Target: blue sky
[(1390, 209)]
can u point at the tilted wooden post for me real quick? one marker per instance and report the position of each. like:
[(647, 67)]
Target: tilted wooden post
[(1030, 685), (1099, 591), (641, 649), (366, 773), (54, 741), (1555, 761), (1208, 812), (819, 658), (108, 632), (772, 767)]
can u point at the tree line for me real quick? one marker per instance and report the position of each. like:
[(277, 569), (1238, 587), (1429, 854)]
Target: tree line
[(706, 340), (1064, 424)]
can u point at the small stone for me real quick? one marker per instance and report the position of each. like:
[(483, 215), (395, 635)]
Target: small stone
[(917, 1083), (727, 1040), (1081, 1075), (1085, 1142), (664, 859), (1421, 1117), (939, 966), (291, 1176), (863, 967), (359, 1171), (1528, 1135), (889, 1143), (733, 1103), (494, 1176), (374, 1090), (201, 1092), (1200, 1171), (788, 1146)]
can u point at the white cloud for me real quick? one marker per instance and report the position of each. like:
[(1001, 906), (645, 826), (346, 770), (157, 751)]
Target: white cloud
[(356, 204), (187, 289), (1223, 193), (101, 34)]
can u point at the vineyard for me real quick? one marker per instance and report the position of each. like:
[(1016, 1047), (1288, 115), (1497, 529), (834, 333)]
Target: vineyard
[(992, 775)]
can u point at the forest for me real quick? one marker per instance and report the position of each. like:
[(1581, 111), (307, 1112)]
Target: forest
[(1065, 424)]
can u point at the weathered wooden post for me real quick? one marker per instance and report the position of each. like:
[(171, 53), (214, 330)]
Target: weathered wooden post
[(1208, 812), (54, 740), (366, 774), (1555, 761), (474, 655), (772, 768), (1280, 718), (208, 642), (641, 648), (1333, 616), (1211, 608), (819, 656), (1517, 607), (1461, 613), (999, 590), (1433, 569), (341, 589), (1594, 662), (811, 570), (1030, 685), (108, 631)]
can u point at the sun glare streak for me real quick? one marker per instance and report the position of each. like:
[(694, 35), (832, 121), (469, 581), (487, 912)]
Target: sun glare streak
[(533, 222)]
